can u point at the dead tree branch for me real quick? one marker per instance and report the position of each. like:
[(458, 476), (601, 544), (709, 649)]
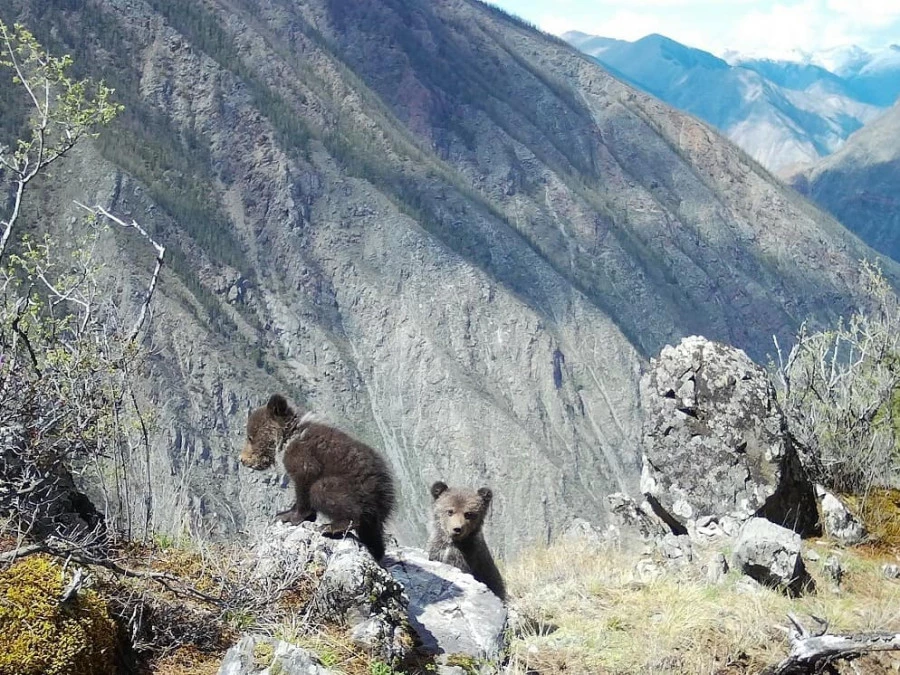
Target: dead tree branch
[(812, 651), (168, 581), (160, 255)]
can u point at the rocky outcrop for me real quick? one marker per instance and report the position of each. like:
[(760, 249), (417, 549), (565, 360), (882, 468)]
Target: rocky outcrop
[(770, 554), (353, 590), (410, 603), (716, 447)]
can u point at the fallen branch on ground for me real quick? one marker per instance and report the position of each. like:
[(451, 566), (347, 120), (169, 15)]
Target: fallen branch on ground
[(168, 581), (810, 652)]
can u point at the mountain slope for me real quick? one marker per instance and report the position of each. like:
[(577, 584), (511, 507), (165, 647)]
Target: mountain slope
[(782, 114), (859, 183), (448, 233)]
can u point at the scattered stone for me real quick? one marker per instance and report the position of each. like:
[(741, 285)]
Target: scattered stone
[(647, 570), (716, 443), (717, 569), (451, 611), (890, 571), (839, 523), (834, 569), (812, 555), (632, 517), (677, 549), (583, 531), (770, 554), (254, 655)]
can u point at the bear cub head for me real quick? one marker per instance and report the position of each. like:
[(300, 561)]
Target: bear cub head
[(460, 512), (265, 432)]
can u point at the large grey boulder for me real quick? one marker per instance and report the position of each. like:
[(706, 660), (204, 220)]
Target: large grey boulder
[(716, 444), (770, 554), (254, 655), (451, 611)]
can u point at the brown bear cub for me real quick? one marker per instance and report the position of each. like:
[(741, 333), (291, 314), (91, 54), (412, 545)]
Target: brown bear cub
[(456, 537), (332, 473)]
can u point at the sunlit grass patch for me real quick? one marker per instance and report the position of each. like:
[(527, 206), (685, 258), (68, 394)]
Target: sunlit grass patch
[(602, 617)]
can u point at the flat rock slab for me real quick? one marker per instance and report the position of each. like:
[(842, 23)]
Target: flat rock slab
[(451, 611)]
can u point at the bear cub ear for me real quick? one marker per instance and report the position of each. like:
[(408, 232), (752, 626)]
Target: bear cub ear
[(486, 496), (438, 489), (278, 406)]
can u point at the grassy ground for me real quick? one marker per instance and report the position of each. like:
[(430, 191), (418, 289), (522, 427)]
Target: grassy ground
[(590, 612)]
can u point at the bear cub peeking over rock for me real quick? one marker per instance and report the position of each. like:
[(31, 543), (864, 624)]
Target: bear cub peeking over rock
[(332, 473), (456, 537)]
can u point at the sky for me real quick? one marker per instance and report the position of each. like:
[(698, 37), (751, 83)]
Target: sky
[(765, 28)]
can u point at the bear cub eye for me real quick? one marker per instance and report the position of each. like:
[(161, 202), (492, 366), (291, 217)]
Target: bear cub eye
[(470, 515), (449, 512)]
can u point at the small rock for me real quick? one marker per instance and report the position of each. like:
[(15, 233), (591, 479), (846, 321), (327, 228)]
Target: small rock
[(254, 655), (839, 522), (834, 569), (677, 548), (647, 570), (451, 611), (770, 554), (716, 569), (890, 571)]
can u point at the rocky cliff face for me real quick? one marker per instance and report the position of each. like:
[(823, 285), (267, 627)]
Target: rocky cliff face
[(446, 232), (858, 184)]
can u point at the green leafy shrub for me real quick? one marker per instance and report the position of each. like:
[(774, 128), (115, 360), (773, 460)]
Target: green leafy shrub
[(39, 635)]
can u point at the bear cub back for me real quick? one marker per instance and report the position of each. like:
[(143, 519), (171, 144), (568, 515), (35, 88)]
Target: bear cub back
[(456, 536), (333, 473)]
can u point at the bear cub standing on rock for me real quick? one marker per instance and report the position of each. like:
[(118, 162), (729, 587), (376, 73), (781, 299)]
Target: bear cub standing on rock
[(456, 538), (333, 473)]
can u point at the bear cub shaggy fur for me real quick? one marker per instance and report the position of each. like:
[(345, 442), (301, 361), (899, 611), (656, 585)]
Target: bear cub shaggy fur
[(332, 473), (456, 537)]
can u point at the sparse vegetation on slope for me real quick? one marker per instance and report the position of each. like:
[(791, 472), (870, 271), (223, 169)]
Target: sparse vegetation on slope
[(591, 611)]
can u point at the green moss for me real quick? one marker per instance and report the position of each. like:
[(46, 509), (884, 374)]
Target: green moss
[(40, 636)]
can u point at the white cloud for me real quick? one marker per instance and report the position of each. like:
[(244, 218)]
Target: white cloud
[(868, 13), (809, 26)]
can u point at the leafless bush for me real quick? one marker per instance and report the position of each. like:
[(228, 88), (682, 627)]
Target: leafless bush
[(839, 389)]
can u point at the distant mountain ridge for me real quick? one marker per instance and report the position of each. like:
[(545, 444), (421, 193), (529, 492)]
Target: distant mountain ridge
[(860, 183), (784, 114)]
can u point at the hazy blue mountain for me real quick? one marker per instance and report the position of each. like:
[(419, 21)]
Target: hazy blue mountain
[(870, 77), (784, 114)]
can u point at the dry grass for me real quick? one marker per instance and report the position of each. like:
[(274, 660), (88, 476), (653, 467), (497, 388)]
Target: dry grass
[(611, 621), (186, 661), (879, 511)]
